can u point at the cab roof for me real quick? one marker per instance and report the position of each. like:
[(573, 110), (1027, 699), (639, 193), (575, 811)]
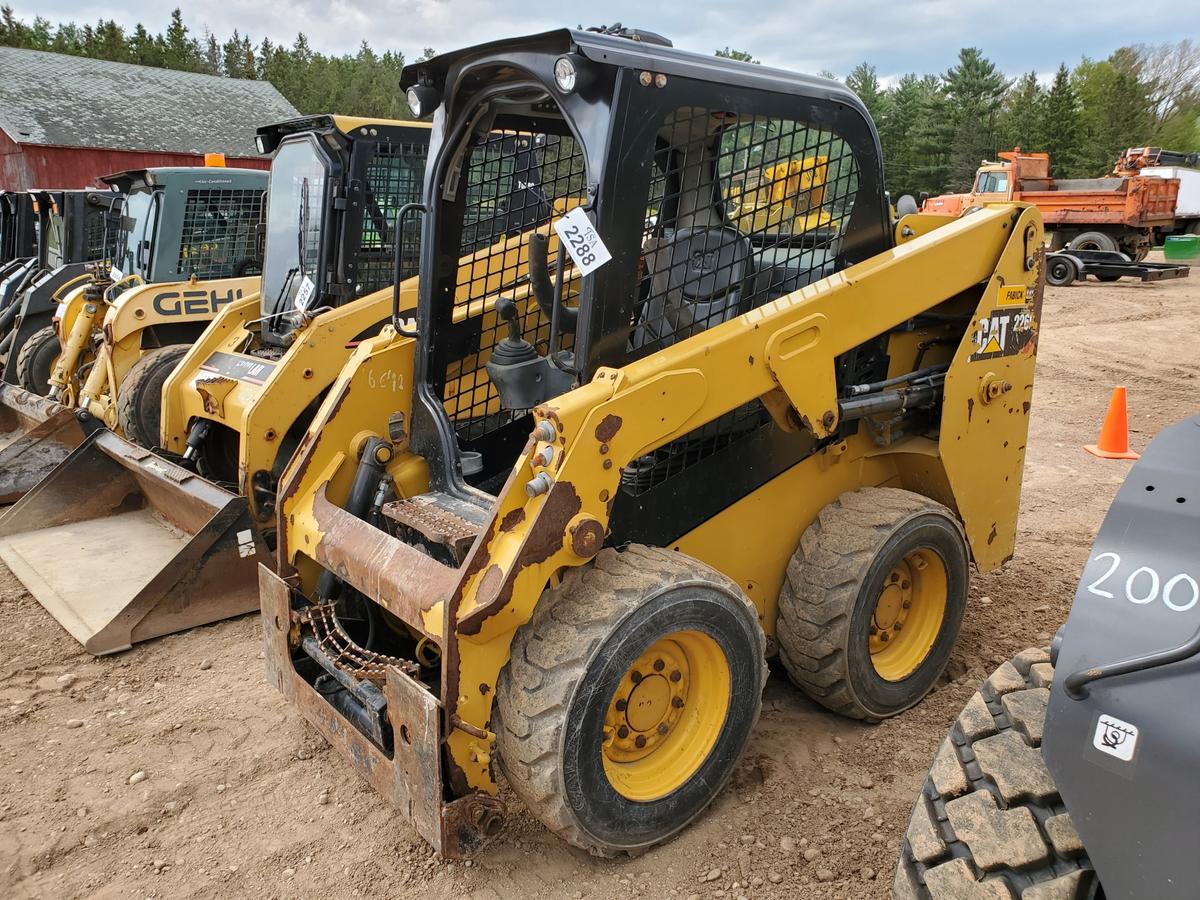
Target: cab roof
[(124, 181), (271, 135), (635, 53)]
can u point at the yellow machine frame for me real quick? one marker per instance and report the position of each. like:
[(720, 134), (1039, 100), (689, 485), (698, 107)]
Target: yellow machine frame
[(782, 353)]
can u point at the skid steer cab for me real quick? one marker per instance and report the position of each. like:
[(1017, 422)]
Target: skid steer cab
[(664, 432), (79, 229), (23, 253), (1072, 771), (240, 399)]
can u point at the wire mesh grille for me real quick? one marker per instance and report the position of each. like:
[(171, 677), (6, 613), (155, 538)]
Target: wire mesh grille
[(102, 234), (741, 211), (395, 177), (219, 235), (514, 183)]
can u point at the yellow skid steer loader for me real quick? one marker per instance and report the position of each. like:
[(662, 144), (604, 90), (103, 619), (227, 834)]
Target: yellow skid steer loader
[(251, 379), (559, 537)]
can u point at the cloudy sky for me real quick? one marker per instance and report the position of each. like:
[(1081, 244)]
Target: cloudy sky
[(896, 36)]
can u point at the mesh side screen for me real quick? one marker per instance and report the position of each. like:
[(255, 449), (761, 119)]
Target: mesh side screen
[(514, 183), (395, 177), (742, 210), (219, 237), (102, 234)]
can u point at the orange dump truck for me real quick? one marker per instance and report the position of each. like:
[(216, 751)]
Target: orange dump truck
[(1115, 213)]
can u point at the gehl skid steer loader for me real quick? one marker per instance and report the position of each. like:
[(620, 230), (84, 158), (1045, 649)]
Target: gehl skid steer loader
[(189, 246), (124, 315), (1071, 773), (244, 393), (79, 229), (19, 228), (558, 528)]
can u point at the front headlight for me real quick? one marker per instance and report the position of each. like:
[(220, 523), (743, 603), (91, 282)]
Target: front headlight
[(565, 74), (422, 100)]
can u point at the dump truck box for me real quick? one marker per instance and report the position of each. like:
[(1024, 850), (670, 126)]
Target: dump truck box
[(121, 546)]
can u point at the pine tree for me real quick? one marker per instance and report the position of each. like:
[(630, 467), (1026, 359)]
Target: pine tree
[(1021, 117), (864, 82), (212, 54), (740, 55), (974, 90), (1060, 125)]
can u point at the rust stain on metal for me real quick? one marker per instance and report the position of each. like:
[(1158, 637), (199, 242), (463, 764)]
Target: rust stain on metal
[(1025, 407), (970, 408), (608, 428), (992, 536), (587, 538), (512, 519)]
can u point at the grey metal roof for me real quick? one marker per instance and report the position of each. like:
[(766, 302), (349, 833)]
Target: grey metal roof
[(52, 98)]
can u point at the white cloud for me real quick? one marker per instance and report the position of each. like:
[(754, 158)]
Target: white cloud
[(897, 37)]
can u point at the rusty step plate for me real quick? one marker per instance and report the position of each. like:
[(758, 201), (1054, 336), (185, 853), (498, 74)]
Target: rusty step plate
[(441, 518)]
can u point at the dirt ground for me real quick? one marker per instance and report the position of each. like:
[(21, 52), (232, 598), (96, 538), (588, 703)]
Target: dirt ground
[(240, 798)]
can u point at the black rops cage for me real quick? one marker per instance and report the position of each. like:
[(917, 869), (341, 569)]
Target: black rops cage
[(717, 188)]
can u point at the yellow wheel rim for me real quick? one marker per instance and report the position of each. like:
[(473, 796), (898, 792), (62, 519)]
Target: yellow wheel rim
[(908, 615), (664, 717)]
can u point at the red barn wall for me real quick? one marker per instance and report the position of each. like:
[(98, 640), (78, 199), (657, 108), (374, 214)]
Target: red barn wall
[(25, 166)]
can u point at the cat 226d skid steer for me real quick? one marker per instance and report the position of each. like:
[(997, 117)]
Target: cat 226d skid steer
[(624, 456), (1071, 773)]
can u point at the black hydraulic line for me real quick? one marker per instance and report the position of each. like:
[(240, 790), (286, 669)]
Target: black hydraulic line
[(856, 390)]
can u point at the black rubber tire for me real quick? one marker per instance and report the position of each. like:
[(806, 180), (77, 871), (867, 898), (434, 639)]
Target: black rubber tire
[(139, 396), (568, 660), (1013, 831), (35, 360), (1094, 240), (1060, 271), (833, 581)]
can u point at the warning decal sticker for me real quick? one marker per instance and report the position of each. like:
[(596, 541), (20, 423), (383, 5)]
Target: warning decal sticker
[(1003, 333)]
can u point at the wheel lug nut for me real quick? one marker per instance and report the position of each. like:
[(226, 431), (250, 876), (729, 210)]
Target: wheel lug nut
[(640, 741), (659, 665), (904, 584), (896, 627), (622, 732), (675, 676), (621, 705), (874, 630), (677, 702), (636, 676), (662, 729), (907, 604), (884, 636)]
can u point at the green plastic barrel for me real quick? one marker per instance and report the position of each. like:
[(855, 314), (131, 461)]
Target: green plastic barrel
[(1183, 248)]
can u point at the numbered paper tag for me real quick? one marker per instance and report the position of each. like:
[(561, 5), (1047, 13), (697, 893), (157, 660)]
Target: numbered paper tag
[(579, 236), (1115, 737), (305, 293), (115, 274)]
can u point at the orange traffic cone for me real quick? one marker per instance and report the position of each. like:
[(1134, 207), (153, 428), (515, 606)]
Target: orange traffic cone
[(1114, 435)]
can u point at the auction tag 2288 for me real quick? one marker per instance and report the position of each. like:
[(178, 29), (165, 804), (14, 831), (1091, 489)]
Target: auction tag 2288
[(579, 236)]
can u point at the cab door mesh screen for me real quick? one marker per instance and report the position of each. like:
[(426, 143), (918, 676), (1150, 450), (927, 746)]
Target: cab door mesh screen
[(395, 177), (515, 183), (219, 236), (742, 210)]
